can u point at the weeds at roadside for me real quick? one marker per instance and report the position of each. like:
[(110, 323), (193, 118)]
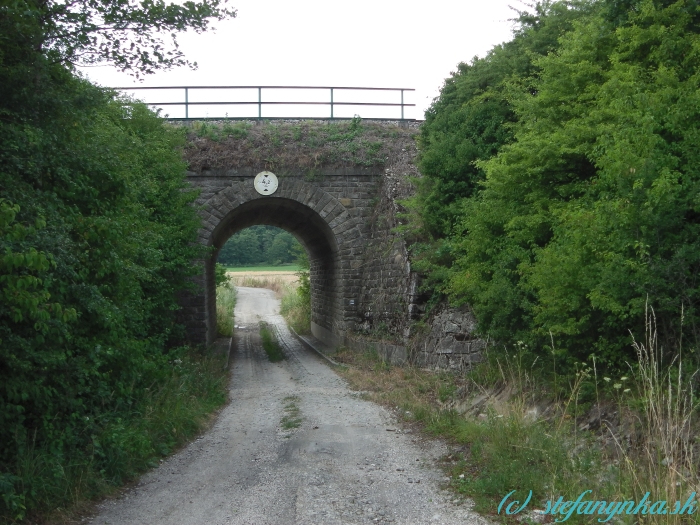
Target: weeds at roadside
[(296, 304), (270, 344), (502, 440), (664, 459), (225, 304), (171, 412)]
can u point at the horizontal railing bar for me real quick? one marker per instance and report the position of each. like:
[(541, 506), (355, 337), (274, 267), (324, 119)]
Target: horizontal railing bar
[(388, 119), (279, 103), (264, 87)]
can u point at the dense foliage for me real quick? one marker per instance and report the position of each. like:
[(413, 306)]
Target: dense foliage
[(96, 231), (576, 201), (259, 245)]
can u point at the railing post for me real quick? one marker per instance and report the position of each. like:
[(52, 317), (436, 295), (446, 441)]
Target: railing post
[(259, 103), (331, 103), (402, 104), (187, 103)]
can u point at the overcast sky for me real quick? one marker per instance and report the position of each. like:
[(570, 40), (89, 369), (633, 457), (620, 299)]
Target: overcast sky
[(371, 43)]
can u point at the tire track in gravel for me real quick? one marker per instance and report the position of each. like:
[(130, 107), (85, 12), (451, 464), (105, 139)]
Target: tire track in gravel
[(341, 466)]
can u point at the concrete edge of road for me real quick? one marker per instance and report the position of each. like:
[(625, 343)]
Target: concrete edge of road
[(314, 344), (228, 354)]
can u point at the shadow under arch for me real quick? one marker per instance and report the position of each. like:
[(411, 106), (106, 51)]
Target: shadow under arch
[(315, 235)]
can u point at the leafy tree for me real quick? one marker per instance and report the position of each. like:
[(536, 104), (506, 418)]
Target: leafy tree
[(591, 210), (472, 120), (127, 34), (259, 245), (96, 237)]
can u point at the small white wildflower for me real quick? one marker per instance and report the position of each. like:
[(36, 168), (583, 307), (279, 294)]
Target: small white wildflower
[(617, 386), (626, 390), (606, 379), (623, 378)]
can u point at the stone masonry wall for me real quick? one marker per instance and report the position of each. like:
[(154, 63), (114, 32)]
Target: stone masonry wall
[(392, 318)]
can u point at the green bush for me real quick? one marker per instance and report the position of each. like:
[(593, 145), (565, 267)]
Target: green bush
[(585, 204), (96, 241)]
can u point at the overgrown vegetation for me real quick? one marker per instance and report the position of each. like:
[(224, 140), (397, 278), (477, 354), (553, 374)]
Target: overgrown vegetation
[(295, 146), (561, 181), (296, 300), (176, 406), (225, 305), (96, 242), (270, 344), (507, 431)]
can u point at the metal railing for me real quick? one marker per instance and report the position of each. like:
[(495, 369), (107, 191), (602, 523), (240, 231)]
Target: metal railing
[(260, 102)]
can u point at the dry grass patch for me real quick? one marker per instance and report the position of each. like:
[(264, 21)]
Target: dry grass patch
[(278, 282)]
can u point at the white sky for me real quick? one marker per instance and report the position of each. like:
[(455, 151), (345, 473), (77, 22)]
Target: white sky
[(370, 43)]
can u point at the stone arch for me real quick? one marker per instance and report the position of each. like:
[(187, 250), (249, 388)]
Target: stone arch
[(331, 235)]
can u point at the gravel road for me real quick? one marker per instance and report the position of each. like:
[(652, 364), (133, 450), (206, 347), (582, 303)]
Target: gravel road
[(348, 462)]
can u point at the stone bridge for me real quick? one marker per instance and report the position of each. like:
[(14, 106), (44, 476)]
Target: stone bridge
[(339, 191), (329, 213)]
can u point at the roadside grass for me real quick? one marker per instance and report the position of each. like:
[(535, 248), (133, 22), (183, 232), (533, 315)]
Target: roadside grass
[(493, 454), (225, 305), (265, 268), (508, 443), (174, 409), (270, 344), (292, 413), (296, 309)]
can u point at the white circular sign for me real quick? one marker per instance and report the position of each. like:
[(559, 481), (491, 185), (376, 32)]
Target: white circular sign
[(265, 183)]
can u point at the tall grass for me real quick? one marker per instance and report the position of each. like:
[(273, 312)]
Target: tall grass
[(510, 431), (225, 304), (296, 309), (295, 296), (664, 459), (171, 411)]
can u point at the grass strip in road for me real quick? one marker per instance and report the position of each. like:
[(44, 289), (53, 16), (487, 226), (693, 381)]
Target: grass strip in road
[(270, 344), (292, 414)]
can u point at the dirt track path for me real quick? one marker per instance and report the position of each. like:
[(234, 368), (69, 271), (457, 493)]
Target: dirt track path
[(348, 462)]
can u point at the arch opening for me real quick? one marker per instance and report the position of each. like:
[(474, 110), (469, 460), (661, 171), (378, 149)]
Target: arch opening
[(312, 232)]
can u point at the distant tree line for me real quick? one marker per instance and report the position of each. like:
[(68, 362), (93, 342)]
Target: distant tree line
[(260, 245)]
